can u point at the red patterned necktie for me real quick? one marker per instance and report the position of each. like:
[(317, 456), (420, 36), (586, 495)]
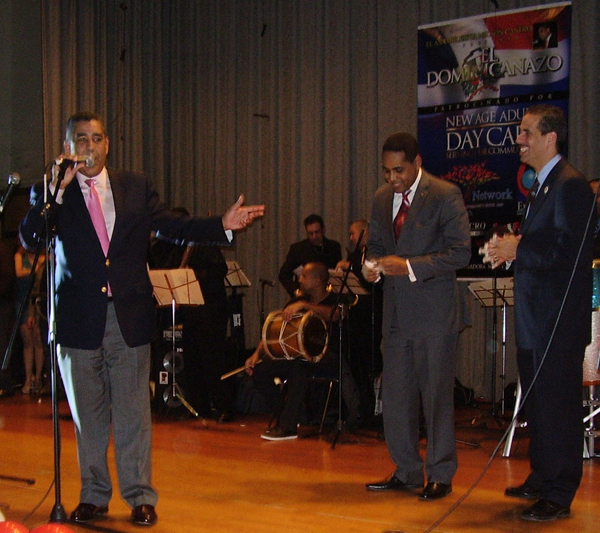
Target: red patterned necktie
[(95, 209), (401, 215)]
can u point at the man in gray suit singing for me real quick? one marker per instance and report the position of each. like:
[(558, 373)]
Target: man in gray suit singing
[(419, 237)]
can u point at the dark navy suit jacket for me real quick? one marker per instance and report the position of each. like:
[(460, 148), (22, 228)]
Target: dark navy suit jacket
[(551, 237), (83, 272)]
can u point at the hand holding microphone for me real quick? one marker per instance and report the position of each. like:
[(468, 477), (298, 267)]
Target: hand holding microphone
[(66, 166)]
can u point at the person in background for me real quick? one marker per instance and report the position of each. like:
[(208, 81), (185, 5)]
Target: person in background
[(315, 248), (316, 298), (29, 324), (204, 327), (364, 322)]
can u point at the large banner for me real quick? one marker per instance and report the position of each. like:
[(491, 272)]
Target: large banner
[(477, 77)]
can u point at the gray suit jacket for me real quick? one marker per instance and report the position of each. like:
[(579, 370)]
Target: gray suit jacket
[(436, 239)]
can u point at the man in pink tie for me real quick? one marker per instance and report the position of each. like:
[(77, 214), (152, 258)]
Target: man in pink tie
[(418, 239), (104, 307)]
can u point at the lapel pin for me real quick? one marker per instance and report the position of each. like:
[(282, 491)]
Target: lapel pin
[(546, 189)]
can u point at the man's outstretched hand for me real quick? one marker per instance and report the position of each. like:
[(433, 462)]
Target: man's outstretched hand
[(238, 216)]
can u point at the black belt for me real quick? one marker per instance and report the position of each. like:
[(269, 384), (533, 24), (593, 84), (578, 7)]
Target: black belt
[(110, 298)]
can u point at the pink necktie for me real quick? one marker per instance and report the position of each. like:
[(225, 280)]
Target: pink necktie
[(95, 209), (401, 215)]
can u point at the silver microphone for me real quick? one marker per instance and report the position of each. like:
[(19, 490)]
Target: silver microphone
[(66, 162), (13, 182)]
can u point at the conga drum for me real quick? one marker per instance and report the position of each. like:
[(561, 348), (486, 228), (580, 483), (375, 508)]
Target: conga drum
[(303, 337)]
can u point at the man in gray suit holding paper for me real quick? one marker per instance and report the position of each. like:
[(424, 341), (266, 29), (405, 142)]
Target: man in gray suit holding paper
[(419, 237)]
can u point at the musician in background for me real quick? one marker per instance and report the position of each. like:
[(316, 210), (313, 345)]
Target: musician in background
[(364, 322), (316, 298), (315, 248), (204, 327)]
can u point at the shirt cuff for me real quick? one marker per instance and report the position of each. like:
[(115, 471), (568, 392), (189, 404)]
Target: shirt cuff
[(411, 274), (59, 194), (229, 234)]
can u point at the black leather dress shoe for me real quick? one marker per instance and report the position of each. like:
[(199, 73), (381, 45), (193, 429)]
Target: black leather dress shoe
[(544, 510), (392, 483), (524, 492), (435, 491), (144, 515), (85, 512)]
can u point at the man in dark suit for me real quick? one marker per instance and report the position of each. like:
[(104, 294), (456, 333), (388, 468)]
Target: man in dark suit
[(316, 248), (553, 289), (418, 239), (364, 323), (104, 308)]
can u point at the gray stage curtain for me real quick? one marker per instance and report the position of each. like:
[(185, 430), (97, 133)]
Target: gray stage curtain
[(286, 101)]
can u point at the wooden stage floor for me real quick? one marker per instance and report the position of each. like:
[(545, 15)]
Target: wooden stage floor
[(224, 478)]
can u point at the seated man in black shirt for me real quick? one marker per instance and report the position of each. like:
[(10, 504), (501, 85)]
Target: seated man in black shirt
[(296, 372)]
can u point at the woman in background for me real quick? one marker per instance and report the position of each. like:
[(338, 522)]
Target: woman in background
[(29, 325)]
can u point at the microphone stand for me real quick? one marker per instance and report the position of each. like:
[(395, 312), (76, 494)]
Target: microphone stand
[(58, 513), (340, 305)]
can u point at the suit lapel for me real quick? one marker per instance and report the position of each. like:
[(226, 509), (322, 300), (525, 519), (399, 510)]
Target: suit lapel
[(389, 210)]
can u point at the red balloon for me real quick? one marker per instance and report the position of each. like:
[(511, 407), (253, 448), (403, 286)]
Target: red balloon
[(9, 526), (52, 528)]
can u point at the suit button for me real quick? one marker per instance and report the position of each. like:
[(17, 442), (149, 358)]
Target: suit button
[(104, 289), (107, 263)]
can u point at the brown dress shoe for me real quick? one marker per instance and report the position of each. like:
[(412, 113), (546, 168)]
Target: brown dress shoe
[(392, 483), (144, 515), (435, 491), (85, 512)]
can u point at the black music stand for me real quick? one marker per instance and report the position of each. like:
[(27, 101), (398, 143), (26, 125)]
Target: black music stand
[(347, 287), (496, 292), (352, 286), (176, 287), (235, 279)]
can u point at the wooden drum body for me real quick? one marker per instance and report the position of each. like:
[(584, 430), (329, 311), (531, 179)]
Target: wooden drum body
[(304, 336)]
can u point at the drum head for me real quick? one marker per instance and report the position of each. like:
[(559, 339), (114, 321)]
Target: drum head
[(313, 335)]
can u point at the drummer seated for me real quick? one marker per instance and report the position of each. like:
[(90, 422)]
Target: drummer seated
[(297, 373)]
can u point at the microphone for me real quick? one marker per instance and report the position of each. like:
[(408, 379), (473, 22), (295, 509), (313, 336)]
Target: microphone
[(267, 282), (65, 162), (13, 183)]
